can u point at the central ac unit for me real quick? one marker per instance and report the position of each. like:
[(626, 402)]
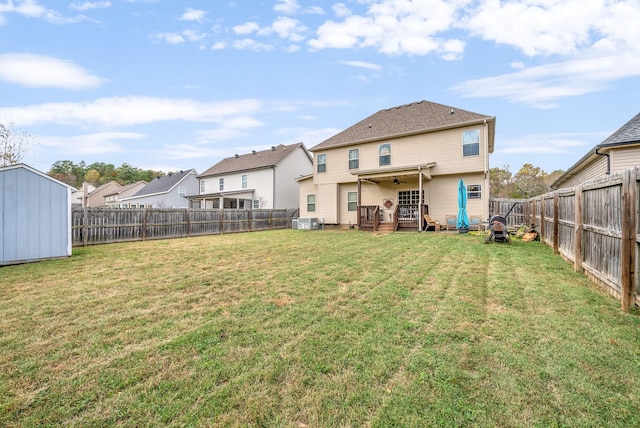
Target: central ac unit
[(294, 223), (308, 223)]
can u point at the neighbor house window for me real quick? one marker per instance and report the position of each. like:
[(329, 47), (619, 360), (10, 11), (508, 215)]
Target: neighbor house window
[(256, 204), (202, 187), (352, 201), (471, 143), (221, 184), (134, 206), (244, 181), (182, 192), (474, 191), (354, 158), (322, 163), (311, 203), (384, 154)]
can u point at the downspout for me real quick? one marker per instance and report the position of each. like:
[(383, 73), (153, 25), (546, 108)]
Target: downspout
[(487, 179), (273, 203), (608, 159)]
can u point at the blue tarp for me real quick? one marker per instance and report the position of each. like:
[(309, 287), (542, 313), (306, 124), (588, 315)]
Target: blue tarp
[(463, 219)]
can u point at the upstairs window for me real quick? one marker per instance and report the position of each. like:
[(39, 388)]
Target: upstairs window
[(384, 154), (202, 187), (354, 158), (322, 163), (182, 192), (474, 191), (471, 143), (244, 181), (221, 184)]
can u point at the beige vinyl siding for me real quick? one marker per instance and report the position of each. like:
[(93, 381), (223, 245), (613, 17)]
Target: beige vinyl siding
[(623, 159), (347, 216), (327, 203), (595, 169), (444, 148), (306, 188), (443, 197)]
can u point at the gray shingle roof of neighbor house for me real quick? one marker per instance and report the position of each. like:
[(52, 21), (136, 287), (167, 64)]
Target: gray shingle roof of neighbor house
[(627, 134), (163, 184), (409, 119), (254, 160)]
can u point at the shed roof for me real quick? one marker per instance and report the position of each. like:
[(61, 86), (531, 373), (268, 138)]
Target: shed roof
[(35, 171), (163, 184), (254, 160), (409, 119)]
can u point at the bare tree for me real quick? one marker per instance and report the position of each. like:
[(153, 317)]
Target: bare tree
[(14, 145)]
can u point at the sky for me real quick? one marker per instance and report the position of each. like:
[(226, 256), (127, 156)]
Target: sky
[(171, 85)]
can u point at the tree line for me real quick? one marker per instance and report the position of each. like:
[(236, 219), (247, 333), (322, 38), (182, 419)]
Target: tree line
[(528, 182), (99, 173)]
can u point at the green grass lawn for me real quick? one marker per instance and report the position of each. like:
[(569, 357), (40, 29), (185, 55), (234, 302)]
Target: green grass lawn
[(321, 329)]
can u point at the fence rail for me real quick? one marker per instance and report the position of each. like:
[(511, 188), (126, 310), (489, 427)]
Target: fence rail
[(91, 226), (595, 226)]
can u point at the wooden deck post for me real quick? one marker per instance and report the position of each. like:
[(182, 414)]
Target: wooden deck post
[(627, 250), (577, 239)]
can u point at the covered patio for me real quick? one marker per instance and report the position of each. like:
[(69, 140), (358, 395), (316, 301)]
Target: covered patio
[(405, 213), (239, 199)]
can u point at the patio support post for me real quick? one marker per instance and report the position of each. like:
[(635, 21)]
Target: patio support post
[(420, 200), (359, 201)]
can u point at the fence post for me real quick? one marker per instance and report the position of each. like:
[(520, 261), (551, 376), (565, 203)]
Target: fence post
[(577, 239), (627, 256), (144, 224), (542, 225), (188, 214), (221, 221), (85, 226), (556, 221)]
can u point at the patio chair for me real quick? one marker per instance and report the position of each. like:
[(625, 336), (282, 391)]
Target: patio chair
[(451, 222), (475, 222), (429, 222)]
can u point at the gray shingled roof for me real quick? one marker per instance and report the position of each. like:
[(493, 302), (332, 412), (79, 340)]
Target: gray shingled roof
[(254, 160), (163, 184), (628, 133), (418, 117)]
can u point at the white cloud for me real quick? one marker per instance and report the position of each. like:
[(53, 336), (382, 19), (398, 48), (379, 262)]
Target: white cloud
[(543, 85), (362, 64), (218, 46), (39, 71), (246, 28), (252, 45), (287, 6), (31, 9), (395, 27), (120, 111), (90, 144), (193, 15), (179, 38), (88, 5), (341, 10), (289, 28), (549, 143)]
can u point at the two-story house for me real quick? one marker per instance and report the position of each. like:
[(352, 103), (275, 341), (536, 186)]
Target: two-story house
[(619, 152), (258, 180), (168, 191), (399, 164)]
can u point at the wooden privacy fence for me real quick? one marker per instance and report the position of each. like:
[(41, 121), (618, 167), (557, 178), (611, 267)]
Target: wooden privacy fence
[(595, 226), (92, 226)]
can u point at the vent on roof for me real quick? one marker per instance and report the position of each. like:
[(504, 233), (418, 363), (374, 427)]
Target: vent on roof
[(273, 148), (237, 156), (253, 151)]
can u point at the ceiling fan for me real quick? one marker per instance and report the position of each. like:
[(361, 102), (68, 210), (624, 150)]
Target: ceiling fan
[(396, 181)]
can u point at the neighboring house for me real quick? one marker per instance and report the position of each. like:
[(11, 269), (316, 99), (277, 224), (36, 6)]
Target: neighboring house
[(168, 191), (399, 164), (35, 216), (96, 198), (78, 197), (264, 179), (112, 200), (619, 152)]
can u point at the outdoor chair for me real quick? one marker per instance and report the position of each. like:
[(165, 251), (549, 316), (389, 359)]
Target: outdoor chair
[(451, 222), (429, 222), (475, 222)]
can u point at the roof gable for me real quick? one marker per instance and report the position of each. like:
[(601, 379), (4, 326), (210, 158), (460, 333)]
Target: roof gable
[(37, 172), (164, 184), (254, 160), (419, 117)]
